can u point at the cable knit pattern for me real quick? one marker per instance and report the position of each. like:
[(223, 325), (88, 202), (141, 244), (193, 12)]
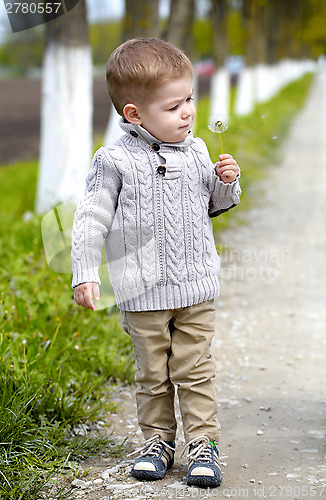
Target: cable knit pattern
[(196, 208), (153, 222)]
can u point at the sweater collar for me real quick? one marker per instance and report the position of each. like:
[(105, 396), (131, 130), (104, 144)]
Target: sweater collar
[(137, 131)]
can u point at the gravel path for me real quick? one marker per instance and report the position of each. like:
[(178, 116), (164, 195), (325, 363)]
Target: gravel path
[(270, 343)]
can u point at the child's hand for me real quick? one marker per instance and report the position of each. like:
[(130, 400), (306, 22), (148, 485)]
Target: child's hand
[(227, 168), (84, 294)]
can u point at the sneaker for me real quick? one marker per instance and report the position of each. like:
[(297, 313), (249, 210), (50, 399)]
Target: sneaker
[(156, 457), (203, 470)]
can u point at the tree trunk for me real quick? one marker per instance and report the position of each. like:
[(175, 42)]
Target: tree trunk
[(254, 18), (254, 75), (220, 93), (141, 19), (181, 18), (245, 96), (66, 114), (274, 22), (220, 10)]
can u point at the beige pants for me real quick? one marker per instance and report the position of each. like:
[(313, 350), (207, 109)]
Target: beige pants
[(172, 350)]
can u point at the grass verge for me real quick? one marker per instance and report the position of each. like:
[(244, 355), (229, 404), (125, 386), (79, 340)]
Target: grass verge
[(57, 361)]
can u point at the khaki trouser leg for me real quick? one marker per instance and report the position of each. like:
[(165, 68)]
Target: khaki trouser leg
[(150, 335), (178, 356), (192, 369)]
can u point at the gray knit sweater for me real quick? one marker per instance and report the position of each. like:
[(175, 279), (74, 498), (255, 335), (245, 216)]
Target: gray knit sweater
[(149, 204)]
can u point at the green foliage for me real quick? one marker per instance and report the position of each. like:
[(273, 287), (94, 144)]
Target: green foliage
[(203, 38), (56, 359), (23, 51), (294, 29), (104, 38), (313, 32), (236, 34)]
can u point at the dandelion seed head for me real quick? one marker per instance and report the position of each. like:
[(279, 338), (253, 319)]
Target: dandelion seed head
[(28, 216), (24, 342), (218, 124)]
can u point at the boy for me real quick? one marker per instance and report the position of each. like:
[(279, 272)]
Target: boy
[(149, 199)]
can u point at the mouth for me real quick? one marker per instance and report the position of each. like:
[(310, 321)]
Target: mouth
[(185, 126)]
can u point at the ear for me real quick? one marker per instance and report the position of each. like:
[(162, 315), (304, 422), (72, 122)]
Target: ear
[(131, 113)]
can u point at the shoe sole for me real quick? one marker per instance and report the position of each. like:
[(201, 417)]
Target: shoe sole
[(204, 482), (147, 476)]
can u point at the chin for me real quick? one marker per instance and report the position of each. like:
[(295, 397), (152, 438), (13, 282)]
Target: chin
[(184, 135)]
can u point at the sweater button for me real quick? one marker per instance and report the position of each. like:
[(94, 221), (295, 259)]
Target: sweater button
[(156, 146), (161, 170), (133, 133)]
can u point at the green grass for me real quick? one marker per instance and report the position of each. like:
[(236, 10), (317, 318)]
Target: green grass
[(57, 360)]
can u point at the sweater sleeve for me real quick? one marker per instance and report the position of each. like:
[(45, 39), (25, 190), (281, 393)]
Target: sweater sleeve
[(93, 218), (224, 196)]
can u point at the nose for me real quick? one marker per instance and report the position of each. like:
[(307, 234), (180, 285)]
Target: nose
[(187, 110)]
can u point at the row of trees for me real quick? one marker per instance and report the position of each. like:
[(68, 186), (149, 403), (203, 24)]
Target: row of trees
[(261, 30), (267, 30)]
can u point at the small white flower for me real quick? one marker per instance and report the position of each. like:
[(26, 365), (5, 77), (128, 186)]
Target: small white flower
[(218, 124)]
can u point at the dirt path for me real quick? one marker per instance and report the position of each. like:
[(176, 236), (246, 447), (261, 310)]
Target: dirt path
[(270, 342)]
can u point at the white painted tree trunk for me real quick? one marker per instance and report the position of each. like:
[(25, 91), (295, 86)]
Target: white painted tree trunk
[(265, 82), (220, 93), (287, 72), (66, 125), (113, 129), (245, 95), (262, 82)]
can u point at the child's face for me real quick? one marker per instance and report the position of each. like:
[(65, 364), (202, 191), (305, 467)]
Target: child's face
[(171, 113)]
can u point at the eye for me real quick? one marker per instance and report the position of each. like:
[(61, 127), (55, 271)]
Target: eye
[(190, 99), (174, 108)]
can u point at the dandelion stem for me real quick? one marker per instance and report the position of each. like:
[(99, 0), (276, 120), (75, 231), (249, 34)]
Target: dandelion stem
[(25, 361), (221, 142)]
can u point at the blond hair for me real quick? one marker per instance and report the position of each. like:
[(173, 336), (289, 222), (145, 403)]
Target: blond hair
[(139, 66)]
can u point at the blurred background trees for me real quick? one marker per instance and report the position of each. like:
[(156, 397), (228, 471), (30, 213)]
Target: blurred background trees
[(141, 19), (259, 30), (180, 25), (249, 42)]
